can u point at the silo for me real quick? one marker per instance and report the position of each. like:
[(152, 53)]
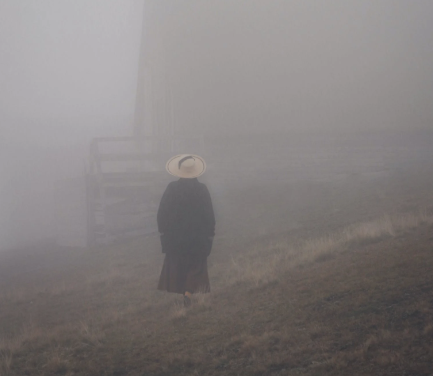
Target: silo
[(157, 109)]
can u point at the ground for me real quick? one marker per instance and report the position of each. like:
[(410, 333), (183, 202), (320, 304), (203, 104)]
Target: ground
[(336, 281)]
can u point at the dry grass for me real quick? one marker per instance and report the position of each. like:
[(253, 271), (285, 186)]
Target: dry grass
[(323, 305), (265, 265), (178, 311), (91, 333)]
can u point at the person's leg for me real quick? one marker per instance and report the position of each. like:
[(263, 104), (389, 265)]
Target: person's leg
[(187, 299), (197, 279)]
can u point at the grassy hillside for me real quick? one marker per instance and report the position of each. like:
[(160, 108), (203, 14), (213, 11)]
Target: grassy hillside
[(335, 297)]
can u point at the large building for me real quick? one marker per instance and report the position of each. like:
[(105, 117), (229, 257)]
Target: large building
[(154, 111)]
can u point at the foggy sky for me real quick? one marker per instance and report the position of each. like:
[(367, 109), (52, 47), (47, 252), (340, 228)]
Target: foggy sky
[(306, 65), (68, 64), (68, 72)]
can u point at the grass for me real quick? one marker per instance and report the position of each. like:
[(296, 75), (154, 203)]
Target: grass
[(352, 300), (263, 266)]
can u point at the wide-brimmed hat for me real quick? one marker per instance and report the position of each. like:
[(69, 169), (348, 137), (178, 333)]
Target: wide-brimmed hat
[(186, 166)]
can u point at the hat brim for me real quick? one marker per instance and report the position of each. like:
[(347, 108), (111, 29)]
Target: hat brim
[(197, 170)]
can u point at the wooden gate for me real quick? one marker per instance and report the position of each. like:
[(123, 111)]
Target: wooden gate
[(124, 183)]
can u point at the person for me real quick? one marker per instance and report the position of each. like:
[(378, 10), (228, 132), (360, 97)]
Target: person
[(186, 223)]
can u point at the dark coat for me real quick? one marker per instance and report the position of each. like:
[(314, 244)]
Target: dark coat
[(186, 222)]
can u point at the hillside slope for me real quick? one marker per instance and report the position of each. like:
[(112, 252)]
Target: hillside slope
[(359, 302)]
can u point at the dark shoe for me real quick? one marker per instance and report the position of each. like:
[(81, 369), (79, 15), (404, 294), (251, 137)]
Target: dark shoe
[(186, 301)]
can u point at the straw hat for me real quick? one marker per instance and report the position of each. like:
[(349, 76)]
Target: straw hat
[(186, 166)]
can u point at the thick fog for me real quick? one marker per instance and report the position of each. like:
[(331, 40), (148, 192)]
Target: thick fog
[(306, 65), (69, 72)]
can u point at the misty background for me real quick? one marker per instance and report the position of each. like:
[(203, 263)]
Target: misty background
[(69, 72)]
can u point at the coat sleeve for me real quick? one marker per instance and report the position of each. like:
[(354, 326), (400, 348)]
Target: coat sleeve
[(209, 216), (163, 211)]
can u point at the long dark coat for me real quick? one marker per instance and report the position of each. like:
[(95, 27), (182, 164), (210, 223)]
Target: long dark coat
[(186, 222)]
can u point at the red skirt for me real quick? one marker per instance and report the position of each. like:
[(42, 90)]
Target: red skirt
[(184, 273)]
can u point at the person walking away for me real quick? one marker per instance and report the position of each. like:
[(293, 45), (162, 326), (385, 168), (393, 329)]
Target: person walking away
[(186, 223)]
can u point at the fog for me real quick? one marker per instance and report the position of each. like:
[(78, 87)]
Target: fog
[(299, 64), (69, 72)]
